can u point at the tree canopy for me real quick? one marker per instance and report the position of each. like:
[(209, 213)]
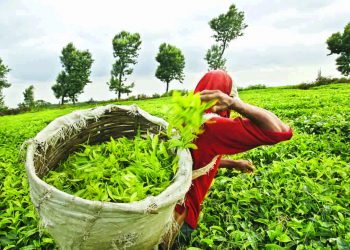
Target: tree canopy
[(171, 64), (125, 51), (339, 43), (71, 81), (214, 58), (226, 27), (28, 95), (3, 82)]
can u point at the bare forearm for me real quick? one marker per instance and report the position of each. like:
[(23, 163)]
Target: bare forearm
[(241, 165), (261, 117), (225, 163)]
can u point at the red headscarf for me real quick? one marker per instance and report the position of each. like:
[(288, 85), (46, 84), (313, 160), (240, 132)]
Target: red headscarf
[(216, 80)]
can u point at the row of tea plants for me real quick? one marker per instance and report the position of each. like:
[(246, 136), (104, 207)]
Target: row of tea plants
[(297, 199)]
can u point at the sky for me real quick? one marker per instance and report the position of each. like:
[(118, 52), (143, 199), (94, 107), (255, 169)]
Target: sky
[(283, 44)]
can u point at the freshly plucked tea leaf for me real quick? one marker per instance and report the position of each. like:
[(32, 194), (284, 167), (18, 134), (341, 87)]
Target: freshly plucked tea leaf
[(130, 166), (123, 170), (185, 115)]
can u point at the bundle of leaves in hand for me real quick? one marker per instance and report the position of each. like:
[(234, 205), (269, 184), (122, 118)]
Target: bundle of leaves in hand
[(126, 170), (185, 117), (120, 170)]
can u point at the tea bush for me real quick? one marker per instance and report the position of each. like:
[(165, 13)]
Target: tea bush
[(297, 199)]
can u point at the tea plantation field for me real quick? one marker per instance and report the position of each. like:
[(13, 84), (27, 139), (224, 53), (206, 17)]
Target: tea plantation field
[(299, 197)]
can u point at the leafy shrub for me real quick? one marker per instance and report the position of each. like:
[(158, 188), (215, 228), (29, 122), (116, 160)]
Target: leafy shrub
[(285, 204), (171, 92), (256, 86), (155, 95), (91, 101), (142, 97), (15, 111), (131, 98), (321, 80)]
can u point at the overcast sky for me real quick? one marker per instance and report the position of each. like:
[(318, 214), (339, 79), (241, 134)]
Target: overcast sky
[(283, 44)]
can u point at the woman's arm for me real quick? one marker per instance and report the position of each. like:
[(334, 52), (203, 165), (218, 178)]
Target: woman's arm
[(242, 165), (261, 117)]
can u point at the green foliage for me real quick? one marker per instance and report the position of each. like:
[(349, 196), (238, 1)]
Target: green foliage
[(3, 83), (171, 64), (28, 95), (171, 92), (118, 171), (185, 115), (125, 50), (75, 75), (214, 58), (290, 203), (41, 104), (256, 86), (155, 95), (321, 80), (130, 170), (339, 43), (297, 199), (226, 27)]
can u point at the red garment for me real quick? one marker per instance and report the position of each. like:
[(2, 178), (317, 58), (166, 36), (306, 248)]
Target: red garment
[(222, 136)]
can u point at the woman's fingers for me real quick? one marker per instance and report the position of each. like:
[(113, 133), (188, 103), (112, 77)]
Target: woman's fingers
[(218, 107), (246, 166), (208, 95), (223, 102), (250, 169)]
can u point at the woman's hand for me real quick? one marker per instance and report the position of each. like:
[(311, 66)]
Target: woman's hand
[(242, 165), (223, 101)]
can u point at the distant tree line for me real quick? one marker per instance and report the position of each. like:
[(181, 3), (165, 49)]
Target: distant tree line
[(77, 67), (76, 64), (321, 80)]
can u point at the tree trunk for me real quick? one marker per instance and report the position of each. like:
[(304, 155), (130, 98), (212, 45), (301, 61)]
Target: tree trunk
[(62, 100), (120, 84), (222, 52), (167, 87)]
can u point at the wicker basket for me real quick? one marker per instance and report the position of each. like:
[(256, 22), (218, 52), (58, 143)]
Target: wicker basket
[(77, 223)]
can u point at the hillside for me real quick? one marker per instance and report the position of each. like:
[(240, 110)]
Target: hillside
[(299, 195)]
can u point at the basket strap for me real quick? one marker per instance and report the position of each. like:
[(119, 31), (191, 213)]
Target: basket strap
[(201, 171)]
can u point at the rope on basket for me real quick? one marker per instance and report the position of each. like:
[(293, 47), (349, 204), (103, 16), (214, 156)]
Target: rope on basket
[(201, 171)]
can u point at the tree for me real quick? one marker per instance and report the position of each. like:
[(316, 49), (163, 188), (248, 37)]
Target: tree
[(214, 58), (3, 82), (71, 81), (226, 27), (125, 47), (340, 44), (29, 97), (171, 64)]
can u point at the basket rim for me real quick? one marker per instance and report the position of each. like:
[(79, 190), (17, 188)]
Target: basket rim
[(181, 180)]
